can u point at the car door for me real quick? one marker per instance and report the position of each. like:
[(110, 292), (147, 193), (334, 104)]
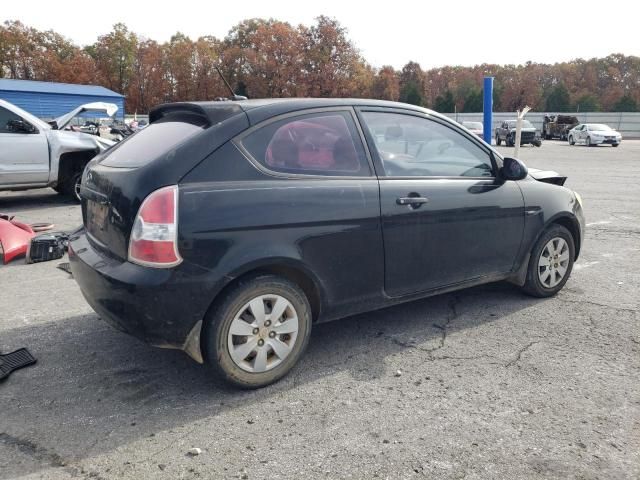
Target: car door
[(24, 156), (582, 133), (446, 217)]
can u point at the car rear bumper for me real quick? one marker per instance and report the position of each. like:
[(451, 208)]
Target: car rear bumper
[(157, 306)]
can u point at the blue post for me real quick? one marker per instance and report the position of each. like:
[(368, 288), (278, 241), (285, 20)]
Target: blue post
[(488, 109)]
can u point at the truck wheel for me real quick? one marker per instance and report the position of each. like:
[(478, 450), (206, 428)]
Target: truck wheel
[(70, 187), (257, 331), (498, 141), (510, 142)]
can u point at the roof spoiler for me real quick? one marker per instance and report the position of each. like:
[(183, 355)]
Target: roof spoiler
[(211, 113)]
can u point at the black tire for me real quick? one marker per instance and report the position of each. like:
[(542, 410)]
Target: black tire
[(571, 140), (498, 141), (221, 316), (615, 144), (589, 144), (509, 141), (70, 186), (533, 285)]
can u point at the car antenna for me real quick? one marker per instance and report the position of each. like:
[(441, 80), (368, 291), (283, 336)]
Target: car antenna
[(233, 94)]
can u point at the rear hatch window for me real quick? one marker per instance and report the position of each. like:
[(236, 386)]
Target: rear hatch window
[(157, 139)]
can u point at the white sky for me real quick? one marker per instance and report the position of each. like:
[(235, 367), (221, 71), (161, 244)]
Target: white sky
[(433, 33)]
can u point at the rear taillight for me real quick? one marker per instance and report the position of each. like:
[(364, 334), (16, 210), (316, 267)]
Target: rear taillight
[(154, 236)]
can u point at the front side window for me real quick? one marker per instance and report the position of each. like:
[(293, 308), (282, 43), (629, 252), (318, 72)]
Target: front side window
[(413, 146), (5, 117), (324, 143)]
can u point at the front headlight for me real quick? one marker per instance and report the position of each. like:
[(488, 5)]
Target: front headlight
[(578, 198)]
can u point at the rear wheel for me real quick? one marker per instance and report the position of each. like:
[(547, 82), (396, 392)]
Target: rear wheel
[(510, 141), (258, 331), (498, 141), (550, 263)]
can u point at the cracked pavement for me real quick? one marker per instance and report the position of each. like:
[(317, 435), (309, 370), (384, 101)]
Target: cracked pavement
[(493, 384)]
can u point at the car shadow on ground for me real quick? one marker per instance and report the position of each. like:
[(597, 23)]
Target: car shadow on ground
[(42, 198), (98, 388)]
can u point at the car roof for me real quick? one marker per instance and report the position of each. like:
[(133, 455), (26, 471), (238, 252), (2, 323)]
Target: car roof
[(261, 109)]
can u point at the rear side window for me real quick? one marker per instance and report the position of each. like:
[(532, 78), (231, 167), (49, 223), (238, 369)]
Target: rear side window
[(315, 144), (150, 143)]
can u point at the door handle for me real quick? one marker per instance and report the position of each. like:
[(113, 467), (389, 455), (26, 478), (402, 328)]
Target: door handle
[(412, 201)]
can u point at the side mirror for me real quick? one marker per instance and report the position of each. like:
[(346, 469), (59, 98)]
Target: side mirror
[(513, 169), (20, 126)]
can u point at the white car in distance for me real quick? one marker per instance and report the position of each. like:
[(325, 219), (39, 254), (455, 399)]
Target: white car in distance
[(592, 134)]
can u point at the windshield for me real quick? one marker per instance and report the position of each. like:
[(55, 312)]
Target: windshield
[(525, 124), (599, 126), (473, 125)]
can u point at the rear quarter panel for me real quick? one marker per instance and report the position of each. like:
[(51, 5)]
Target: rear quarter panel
[(328, 228)]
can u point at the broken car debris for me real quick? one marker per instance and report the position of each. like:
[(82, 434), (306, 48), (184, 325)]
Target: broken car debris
[(18, 239)]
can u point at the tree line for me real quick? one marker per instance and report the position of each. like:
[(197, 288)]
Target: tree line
[(270, 58)]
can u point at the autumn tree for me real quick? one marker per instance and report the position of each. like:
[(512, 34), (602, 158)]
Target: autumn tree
[(271, 58), (625, 104), (444, 103), (558, 99), (148, 86), (331, 61), (587, 103), (386, 84), (266, 56), (114, 56), (412, 84)]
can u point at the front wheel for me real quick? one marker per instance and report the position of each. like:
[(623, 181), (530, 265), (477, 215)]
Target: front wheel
[(589, 144), (615, 144), (70, 186), (550, 263), (258, 331), (498, 141), (510, 141), (571, 140)]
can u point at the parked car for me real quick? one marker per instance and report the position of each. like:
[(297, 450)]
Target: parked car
[(35, 154), (227, 229), (506, 133), (557, 126), (592, 134), (474, 127)]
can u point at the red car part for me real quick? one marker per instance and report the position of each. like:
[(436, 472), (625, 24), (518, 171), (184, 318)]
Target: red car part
[(14, 239)]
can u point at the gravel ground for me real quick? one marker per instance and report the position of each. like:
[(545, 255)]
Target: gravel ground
[(483, 383)]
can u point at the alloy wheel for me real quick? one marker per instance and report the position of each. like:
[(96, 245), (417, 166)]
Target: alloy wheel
[(76, 188), (553, 262), (263, 333)]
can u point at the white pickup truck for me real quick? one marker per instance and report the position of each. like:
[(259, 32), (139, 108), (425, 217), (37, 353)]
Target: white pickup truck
[(37, 154)]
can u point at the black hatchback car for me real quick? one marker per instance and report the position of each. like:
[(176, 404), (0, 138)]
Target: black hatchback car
[(226, 229)]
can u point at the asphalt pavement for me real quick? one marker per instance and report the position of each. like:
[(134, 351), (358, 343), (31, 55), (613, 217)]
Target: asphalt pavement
[(485, 383)]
